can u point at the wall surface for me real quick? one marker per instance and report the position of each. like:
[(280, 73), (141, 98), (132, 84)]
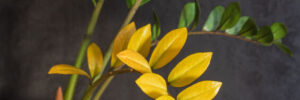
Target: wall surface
[(37, 34)]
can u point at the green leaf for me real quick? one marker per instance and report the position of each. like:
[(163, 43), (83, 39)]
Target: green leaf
[(197, 14), (187, 15), (231, 16), (156, 27), (238, 27), (264, 35), (249, 29), (130, 3), (214, 19), (279, 30), (283, 48)]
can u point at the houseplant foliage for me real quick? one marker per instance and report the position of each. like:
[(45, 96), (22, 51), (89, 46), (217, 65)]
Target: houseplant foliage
[(132, 46)]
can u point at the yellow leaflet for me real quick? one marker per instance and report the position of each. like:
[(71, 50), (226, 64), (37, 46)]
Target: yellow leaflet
[(95, 59), (140, 41), (59, 94), (152, 84), (121, 42), (204, 90), (165, 97), (189, 69), (134, 60), (168, 47), (67, 69)]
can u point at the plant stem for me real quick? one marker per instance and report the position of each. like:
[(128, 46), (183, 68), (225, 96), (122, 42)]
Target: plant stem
[(107, 56), (69, 92), (103, 87), (223, 34), (88, 93), (131, 13)]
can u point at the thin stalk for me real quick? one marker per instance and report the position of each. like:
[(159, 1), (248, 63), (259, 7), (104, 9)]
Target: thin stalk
[(223, 34), (103, 87), (69, 92), (90, 90)]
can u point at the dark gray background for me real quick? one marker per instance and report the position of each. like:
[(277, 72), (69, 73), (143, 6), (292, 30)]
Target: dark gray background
[(36, 34)]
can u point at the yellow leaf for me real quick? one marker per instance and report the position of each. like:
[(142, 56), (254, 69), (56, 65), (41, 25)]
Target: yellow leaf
[(165, 97), (204, 90), (67, 69), (134, 60), (59, 94), (189, 69), (140, 41), (95, 59), (121, 42), (152, 84), (168, 47)]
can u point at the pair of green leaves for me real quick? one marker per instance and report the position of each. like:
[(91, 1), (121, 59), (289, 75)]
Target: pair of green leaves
[(228, 19), (190, 14), (221, 18), (95, 60)]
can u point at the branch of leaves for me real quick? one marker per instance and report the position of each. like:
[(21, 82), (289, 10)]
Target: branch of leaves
[(185, 72), (95, 60), (229, 21)]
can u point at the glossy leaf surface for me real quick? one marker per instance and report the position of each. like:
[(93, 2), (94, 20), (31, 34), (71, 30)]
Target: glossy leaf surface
[(95, 59), (249, 29), (204, 90), (230, 16), (279, 30), (187, 15), (121, 42), (189, 69), (67, 69), (197, 14), (152, 84), (264, 35), (214, 19), (238, 27), (168, 47), (140, 41), (134, 60)]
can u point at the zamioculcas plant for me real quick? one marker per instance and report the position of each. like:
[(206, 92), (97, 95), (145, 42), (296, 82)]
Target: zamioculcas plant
[(132, 46)]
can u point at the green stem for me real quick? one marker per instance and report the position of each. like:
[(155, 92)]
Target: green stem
[(103, 87), (69, 92)]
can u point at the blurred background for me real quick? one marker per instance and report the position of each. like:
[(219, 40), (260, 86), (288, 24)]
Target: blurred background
[(37, 34)]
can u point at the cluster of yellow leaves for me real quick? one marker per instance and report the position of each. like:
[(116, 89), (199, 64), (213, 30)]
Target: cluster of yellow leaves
[(95, 60), (183, 74), (132, 46)]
